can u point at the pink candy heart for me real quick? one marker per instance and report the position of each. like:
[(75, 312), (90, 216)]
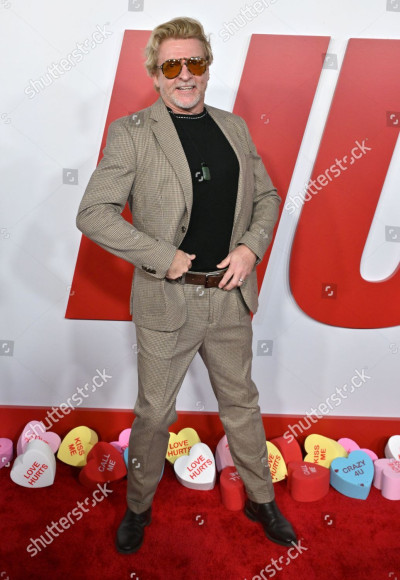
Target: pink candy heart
[(36, 430), (351, 445)]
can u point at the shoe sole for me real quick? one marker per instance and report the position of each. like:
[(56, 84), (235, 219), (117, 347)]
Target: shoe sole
[(254, 518), (135, 549)]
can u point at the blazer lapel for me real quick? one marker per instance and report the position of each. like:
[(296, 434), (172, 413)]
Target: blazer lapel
[(168, 139)]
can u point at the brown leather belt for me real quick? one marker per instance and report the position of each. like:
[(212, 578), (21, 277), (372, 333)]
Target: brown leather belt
[(206, 280)]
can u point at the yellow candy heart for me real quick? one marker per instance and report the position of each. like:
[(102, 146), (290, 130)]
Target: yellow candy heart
[(276, 463), (76, 445), (180, 444), (322, 450)]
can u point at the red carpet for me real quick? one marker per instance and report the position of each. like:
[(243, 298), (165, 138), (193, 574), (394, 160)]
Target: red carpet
[(192, 535)]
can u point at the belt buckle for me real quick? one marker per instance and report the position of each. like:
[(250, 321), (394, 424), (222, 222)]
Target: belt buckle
[(181, 279)]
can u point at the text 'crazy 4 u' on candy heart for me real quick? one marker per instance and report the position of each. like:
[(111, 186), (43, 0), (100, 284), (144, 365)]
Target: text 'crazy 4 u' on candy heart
[(36, 467), (196, 470), (353, 475)]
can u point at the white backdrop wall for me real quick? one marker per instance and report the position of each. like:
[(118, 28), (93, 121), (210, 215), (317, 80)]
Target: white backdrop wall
[(46, 359)]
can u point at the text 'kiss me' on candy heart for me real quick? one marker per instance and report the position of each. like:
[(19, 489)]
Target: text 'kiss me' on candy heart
[(353, 475), (322, 450), (36, 467), (76, 445), (196, 470)]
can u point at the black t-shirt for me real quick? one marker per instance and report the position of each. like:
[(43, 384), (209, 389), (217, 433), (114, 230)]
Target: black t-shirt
[(210, 228)]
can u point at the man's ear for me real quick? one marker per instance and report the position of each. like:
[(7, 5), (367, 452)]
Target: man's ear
[(155, 81)]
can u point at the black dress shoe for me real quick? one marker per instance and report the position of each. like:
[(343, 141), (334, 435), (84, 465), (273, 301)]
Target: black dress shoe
[(130, 533), (276, 527)]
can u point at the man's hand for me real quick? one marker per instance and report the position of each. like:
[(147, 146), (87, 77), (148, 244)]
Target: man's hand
[(181, 263), (241, 263)]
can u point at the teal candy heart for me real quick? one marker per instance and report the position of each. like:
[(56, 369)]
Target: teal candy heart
[(353, 475)]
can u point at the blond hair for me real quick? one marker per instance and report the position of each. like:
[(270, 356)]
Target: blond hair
[(177, 28)]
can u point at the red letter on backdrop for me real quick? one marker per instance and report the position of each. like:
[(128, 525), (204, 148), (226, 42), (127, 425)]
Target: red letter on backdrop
[(335, 221), (276, 92)]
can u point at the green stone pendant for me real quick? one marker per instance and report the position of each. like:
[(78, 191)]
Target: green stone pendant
[(205, 171)]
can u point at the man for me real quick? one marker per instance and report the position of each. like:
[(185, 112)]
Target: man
[(203, 210)]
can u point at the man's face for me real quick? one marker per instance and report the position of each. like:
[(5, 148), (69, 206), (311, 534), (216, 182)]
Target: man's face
[(185, 93)]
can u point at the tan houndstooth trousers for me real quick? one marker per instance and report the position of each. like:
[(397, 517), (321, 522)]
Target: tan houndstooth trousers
[(218, 326)]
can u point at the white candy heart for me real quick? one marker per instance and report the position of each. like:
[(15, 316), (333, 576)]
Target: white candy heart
[(196, 470), (36, 467), (392, 449)]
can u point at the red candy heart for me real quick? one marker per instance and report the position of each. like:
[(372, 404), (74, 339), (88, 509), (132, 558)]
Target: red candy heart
[(307, 481), (104, 464), (232, 489)]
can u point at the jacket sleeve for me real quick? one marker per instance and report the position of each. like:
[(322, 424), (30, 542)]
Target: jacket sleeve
[(99, 215), (266, 203)]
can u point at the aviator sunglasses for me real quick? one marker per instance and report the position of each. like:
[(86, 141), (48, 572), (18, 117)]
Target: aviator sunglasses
[(172, 67)]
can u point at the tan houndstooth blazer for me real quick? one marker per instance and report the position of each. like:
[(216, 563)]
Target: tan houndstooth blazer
[(144, 164)]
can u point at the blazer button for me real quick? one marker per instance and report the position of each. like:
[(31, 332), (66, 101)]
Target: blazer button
[(183, 229)]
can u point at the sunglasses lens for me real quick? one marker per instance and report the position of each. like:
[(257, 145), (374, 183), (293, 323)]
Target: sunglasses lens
[(171, 68), (197, 66)]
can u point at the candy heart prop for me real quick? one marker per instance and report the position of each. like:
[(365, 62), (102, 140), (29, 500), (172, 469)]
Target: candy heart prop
[(392, 449), (353, 475), (126, 458), (276, 463), (223, 457), (307, 481), (232, 489), (181, 443), (104, 464), (6, 452), (36, 467), (37, 430), (290, 450), (196, 470), (76, 445), (351, 445), (322, 450), (387, 478), (123, 441)]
